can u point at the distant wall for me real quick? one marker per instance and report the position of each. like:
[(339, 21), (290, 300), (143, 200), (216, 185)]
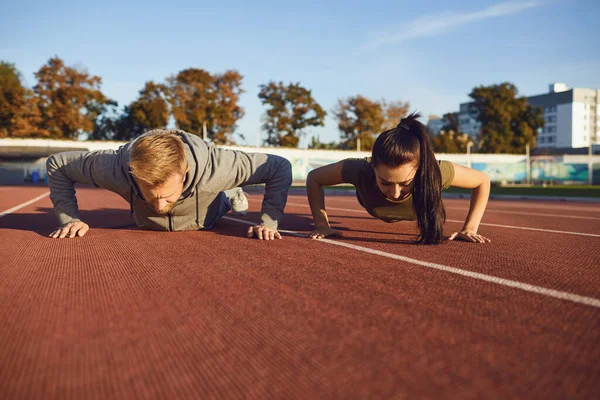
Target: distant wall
[(17, 167)]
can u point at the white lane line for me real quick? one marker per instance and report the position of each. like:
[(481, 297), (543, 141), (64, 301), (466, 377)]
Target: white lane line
[(526, 213), (589, 301), (530, 229), (16, 208), (483, 223), (488, 210)]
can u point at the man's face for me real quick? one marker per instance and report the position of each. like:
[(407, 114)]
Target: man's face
[(162, 199)]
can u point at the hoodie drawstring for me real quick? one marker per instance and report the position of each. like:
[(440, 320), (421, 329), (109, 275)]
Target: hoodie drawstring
[(131, 201), (197, 212)]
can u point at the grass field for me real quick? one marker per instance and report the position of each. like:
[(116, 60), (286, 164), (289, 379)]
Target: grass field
[(557, 191)]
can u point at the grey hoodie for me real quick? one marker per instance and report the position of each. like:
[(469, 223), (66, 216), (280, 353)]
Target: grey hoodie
[(212, 170)]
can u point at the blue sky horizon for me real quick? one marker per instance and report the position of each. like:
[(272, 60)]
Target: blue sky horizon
[(431, 54)]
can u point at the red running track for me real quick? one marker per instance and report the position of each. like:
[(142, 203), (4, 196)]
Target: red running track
[(126, 313)]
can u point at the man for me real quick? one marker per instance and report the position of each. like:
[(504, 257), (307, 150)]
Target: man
[(173, 181)]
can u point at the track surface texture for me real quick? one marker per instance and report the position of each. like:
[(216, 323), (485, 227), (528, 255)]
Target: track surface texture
[(124, 313)]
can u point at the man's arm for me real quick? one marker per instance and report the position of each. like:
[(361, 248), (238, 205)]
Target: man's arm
[(237, 168), (99, 168)]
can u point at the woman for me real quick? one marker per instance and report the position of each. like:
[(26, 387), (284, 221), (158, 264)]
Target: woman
[(402, 181)]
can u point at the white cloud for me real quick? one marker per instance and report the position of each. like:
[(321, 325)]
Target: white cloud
[(438, 24)]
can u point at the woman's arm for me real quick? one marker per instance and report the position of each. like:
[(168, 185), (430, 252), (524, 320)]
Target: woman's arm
[(480, 183), (317, 178)]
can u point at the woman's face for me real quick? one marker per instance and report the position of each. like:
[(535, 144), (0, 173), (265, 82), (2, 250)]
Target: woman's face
[(395, 182)]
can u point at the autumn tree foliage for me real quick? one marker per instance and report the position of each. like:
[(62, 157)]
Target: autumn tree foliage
[(19, 112), (290, 110), (361, 118), (69, 99), (200, 99)]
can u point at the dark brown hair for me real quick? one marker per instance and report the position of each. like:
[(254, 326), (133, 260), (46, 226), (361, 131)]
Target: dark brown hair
[(409, 143)]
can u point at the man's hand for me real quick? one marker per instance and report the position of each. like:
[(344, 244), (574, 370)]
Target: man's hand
[(469, 236), (262, 232), (70, 230), (324, 232)]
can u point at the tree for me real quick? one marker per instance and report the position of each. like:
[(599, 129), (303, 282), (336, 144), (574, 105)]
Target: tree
[(359, 117), (450, 142), (70, 99), (227, 110), (190, 94), (315, 143), (394, 112), (105, 126), (291, 109), (150, 110), (508, 122), (198, 98), (19, 113), (451, 123)]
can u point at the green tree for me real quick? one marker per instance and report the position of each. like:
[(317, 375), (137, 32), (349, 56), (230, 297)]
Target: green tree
[(292, 109), (70, 99), (450, 142), (508, 122), (199, 98), (19, 112), (451, 122)]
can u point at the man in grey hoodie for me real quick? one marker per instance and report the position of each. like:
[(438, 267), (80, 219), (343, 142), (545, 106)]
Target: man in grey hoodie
[(173, 181)]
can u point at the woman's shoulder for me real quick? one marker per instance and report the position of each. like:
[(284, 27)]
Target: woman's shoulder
[(447, 172), (355, 169), (357, 162)]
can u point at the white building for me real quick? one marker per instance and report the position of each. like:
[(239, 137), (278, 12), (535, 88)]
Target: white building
[(572, 117), (435, 125), (467, 120)]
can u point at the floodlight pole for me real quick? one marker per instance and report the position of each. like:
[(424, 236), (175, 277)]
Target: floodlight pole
[(469, 163), (528, 161), (591, 162)]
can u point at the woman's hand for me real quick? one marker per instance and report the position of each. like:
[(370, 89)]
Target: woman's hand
[(469, 236), (324, 232)]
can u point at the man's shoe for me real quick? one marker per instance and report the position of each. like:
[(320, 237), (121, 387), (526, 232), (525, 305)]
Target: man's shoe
[(239, 203)]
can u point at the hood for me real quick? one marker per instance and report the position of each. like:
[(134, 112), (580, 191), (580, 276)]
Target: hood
[(197, 157)]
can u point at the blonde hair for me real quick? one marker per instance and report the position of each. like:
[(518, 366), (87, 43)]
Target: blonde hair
[(157, 156)]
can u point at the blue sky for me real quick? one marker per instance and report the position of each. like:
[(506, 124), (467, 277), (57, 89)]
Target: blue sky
[(431, 53)]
